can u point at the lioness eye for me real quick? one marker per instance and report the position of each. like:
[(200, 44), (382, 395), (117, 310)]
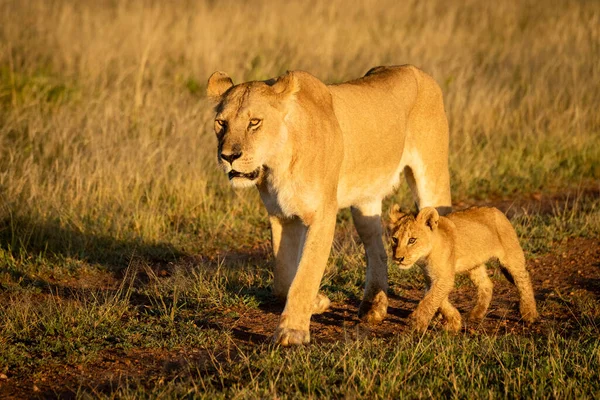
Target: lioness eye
[(220, 123), (254, 122), (411, 240), (395, 241)]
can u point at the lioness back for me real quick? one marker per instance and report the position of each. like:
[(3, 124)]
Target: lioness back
[(389, 117)]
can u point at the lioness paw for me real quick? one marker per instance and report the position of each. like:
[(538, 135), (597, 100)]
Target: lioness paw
[(321, 304), (289, 337), (374, 311)]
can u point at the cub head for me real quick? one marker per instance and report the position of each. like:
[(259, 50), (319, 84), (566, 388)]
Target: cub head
[(250, 124), (412, 236)]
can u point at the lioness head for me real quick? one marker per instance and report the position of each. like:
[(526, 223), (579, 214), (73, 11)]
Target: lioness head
[(250, 124), (411, 236)]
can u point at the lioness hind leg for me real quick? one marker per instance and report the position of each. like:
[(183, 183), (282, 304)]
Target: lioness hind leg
[(367, 220), (515, 265), (485, 288), (426, 148), (426, 192)]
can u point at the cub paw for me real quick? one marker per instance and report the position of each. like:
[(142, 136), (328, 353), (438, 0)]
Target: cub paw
[(418, 322), (453, 325), (321, 304), (475, 316), (374, 311), (529, 314), (290, 337)]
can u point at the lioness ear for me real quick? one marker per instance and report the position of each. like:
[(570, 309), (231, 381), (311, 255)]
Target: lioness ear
[(218, 83), (429, 216), (286, 86)]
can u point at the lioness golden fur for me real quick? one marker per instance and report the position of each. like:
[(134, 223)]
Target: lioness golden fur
[(311, 149), (460, 242)]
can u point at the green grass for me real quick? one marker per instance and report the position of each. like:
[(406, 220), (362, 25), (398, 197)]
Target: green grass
[(47, 324), (119, 235), (402, 367)]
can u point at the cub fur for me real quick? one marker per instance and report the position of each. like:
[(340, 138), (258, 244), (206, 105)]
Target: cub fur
[(460, 242), (310, 149)]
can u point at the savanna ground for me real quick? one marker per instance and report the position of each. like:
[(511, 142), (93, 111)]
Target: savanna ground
[(129, 268)]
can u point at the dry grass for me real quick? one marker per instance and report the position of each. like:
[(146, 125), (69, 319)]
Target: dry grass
[(104, 128), (107, 153)]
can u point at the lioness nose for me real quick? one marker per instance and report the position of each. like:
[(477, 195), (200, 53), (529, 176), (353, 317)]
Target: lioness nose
[(400, 259), (230, 158)]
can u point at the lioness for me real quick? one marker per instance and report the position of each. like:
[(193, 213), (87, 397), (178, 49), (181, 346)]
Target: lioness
[(311, 149), (459, 242)]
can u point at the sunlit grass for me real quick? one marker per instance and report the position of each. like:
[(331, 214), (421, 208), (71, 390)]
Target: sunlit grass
[(118, 231)]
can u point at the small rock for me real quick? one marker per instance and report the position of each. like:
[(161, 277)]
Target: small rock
[(3, 377), (35, 388)]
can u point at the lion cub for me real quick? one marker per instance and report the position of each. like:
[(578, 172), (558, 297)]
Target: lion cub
[(459, 242)]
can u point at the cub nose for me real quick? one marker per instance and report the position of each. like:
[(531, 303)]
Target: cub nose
[(399, 259), (230, 158)]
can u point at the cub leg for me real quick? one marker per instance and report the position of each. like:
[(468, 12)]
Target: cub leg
[(294, 323), (451, 315), (485, 289), (367, 220), (439, 289), (287, 237), (514, 263)]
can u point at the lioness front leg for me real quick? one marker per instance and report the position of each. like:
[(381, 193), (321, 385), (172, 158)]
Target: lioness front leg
[(367, 220), (287, 237), (294, 324)]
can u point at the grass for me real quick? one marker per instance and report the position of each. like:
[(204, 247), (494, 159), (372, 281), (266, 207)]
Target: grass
[(118, 234)]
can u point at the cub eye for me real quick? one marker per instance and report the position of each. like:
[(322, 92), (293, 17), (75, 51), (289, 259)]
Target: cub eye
[(411, 240), (254, 123), (395, 241)]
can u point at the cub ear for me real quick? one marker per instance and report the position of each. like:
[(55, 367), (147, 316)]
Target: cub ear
[(429, 216), (286, 86), (218, 83), (395, 214)]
